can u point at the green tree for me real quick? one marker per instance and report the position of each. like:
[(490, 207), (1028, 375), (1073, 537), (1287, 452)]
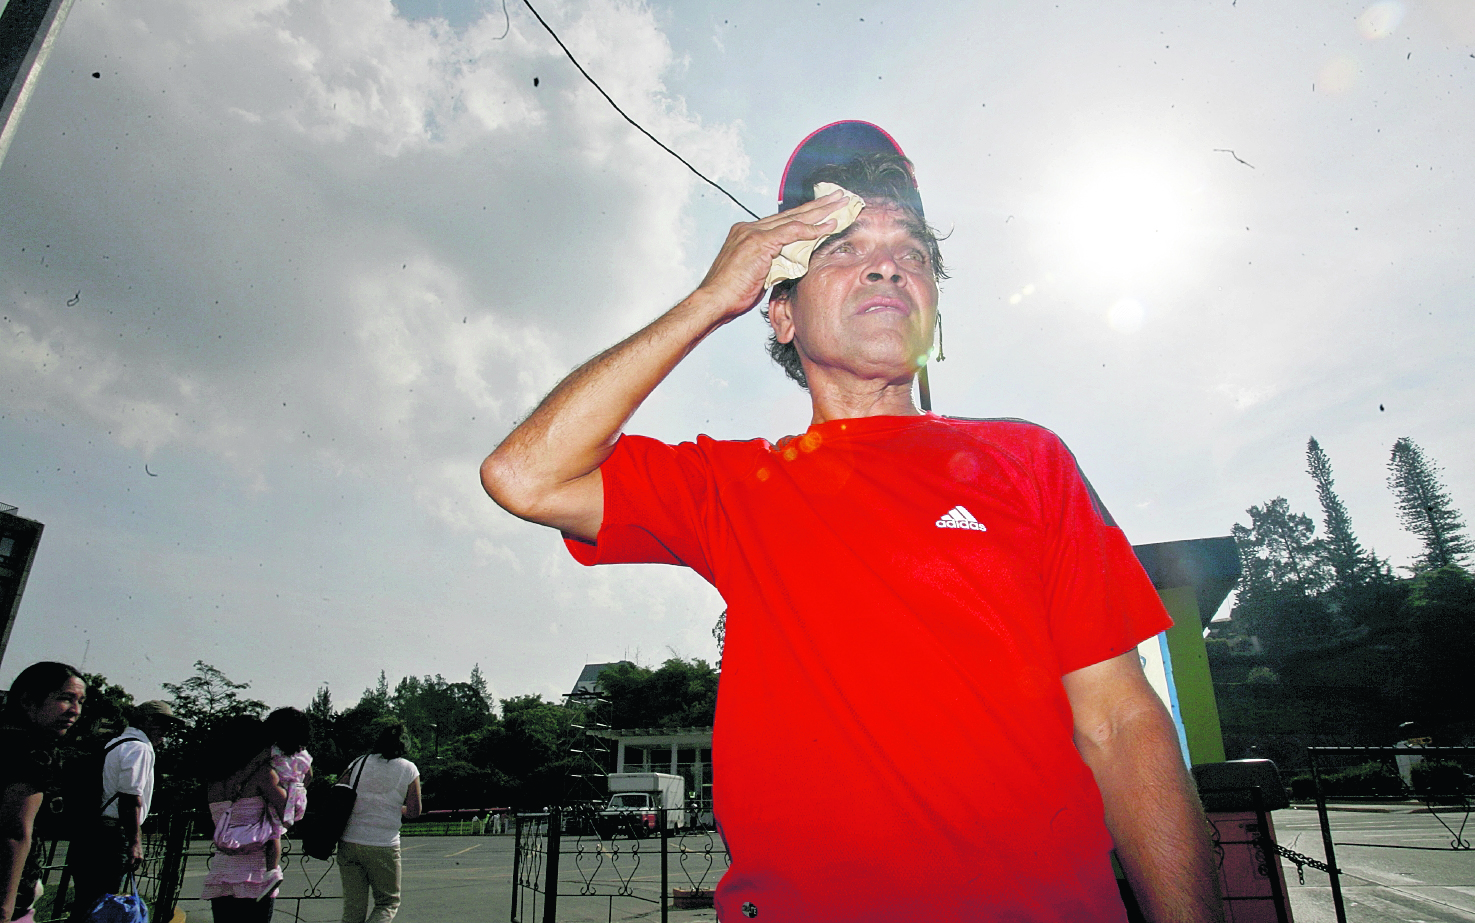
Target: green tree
[(680, 694), (478, 683), (209, 696), (1282, 566), (322, 721), (1424, 508), (1431, 685), (105, 713), (1351, 564)]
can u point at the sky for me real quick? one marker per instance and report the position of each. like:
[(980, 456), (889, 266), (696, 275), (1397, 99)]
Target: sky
[(275, 276)]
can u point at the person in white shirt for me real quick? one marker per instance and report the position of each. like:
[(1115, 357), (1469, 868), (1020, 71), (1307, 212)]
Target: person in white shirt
[(368, 853), (99, 862)]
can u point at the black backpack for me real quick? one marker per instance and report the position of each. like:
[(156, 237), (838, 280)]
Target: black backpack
[(328, 809), (71, 805)]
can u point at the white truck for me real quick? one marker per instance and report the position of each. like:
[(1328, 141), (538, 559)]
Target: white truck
[(635, 802)]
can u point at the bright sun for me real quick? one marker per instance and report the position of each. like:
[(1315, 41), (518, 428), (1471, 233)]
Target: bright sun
[(1125, 219)]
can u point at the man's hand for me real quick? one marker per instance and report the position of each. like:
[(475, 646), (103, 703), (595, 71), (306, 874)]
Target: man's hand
[(135, 854), (547, 469), (737, 274)]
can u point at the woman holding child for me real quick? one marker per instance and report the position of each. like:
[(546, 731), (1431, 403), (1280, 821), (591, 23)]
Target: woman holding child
[(242, 882)]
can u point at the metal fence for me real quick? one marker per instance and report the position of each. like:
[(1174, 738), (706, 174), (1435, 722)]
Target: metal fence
[(1447, 802), (158, 879), (558, 856)]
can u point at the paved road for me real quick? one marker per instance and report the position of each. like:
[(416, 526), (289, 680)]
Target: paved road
[(470, 878), (1396, 868)]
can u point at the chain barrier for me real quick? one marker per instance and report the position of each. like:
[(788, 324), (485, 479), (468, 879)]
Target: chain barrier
[(1302, 860)]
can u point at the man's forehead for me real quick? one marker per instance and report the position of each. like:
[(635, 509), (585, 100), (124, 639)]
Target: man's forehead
[(882, 216)]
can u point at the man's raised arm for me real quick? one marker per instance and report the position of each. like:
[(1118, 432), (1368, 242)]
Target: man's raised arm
[(547, 469)]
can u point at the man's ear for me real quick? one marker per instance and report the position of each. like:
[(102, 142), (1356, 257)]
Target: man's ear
[(779, 317)]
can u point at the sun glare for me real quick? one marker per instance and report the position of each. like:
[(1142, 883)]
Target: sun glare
[(1125, 220)]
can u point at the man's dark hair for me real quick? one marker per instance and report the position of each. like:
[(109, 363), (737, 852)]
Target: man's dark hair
[(879, 179), (33, 684), (393, 740)]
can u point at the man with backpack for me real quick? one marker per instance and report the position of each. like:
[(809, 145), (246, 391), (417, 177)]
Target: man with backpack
[(112, 844)]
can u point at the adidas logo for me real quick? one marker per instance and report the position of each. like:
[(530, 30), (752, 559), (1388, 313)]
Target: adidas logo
[(959, 518)]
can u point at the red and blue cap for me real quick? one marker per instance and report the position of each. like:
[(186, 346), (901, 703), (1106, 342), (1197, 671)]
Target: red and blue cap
[(837, 143)]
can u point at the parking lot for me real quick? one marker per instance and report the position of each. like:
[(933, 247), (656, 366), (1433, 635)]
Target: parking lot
[(1397, 868)]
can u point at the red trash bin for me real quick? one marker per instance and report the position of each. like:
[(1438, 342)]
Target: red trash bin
[(1238, 797)]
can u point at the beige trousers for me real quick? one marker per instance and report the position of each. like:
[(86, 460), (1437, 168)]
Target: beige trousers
[(366, 868)]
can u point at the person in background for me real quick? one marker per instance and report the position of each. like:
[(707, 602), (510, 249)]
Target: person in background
[(368, 854), (45, 700), (288, 730), (241, 886), (99, 861)]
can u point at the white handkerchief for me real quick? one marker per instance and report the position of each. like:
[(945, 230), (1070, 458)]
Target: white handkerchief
[(793, 260)]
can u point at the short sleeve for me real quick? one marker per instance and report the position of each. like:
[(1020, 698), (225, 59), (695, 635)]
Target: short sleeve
[(1099, 600), (655, 498), (136, 767)]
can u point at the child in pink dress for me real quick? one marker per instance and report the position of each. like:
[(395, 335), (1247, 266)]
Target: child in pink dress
[(288, 729)]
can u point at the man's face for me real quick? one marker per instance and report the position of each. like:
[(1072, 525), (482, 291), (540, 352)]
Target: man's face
[(60, 709), (867, 306)]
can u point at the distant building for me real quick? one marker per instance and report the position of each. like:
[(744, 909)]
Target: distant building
[(685, 752), (18, 540), (586, 687)]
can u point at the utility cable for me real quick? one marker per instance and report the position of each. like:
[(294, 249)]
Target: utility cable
[(627, 118)]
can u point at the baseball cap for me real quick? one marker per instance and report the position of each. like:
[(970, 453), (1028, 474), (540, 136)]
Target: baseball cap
[(836, 143)]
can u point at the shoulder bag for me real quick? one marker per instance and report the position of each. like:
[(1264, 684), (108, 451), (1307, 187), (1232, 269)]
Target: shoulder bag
[(238, 831), (327, 814)]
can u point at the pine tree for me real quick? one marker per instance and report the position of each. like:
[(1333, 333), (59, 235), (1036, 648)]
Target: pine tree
[(1351, 563), (1424, 508)]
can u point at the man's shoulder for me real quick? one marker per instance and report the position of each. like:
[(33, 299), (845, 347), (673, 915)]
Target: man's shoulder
[(1005, 431), (118, 746)]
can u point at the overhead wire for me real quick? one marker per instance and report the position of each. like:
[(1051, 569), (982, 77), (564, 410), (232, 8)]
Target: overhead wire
[(709, 181)]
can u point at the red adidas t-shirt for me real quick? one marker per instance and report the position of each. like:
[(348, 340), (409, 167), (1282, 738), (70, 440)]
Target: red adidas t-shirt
[(892, 740)]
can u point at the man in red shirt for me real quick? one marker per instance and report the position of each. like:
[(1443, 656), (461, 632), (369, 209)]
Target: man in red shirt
[(935, 616)]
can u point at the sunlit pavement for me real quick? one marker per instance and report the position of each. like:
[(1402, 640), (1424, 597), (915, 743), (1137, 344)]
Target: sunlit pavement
[(1397, 866)]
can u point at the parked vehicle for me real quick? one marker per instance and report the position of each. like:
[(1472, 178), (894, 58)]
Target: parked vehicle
[(636, 800)]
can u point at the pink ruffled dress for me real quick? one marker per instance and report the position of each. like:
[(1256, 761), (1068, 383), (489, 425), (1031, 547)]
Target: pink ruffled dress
[(242, 874), (293, 771)]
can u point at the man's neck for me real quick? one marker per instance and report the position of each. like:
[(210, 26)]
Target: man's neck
[(833, 401)]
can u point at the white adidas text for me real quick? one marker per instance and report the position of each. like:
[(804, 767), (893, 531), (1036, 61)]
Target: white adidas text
[(960, 518)]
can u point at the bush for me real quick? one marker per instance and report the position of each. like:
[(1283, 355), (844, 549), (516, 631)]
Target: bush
[(1439, 779), (1370, 780), (1262, 674)]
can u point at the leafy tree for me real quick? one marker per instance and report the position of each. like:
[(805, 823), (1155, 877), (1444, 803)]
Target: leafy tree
[(1351, 564), (1432, 686), (478, 684), (209, 696), (322, 721), (1425, 509), (1282, 563), (719, 631), (528, 752), (354, 730), (105, 713), (437, 711), (679, 694)]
